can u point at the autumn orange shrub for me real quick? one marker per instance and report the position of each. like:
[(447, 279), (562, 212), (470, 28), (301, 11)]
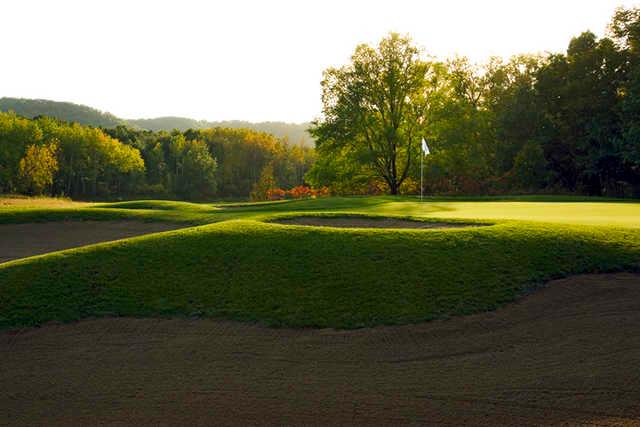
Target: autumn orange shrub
[(276, 194), (299, 192)]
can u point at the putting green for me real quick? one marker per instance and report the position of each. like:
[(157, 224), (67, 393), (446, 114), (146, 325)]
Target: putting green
[(601, 214)]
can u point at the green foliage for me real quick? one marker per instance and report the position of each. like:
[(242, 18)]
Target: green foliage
[(488, 124), (243, 154), (91, 162), (15, 134), (121, 161), (625, 29), (195, 168), (266, 183), (239, 154), (87, 162), (292, 133), (342, 171), (319, 277), (530, 168), (372, 108)]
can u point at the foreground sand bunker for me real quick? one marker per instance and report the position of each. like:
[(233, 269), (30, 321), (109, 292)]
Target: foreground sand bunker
[(24, 240), (368, 222), (565, 355)]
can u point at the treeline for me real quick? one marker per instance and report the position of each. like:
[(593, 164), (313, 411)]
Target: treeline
[(292, 133), (564, 123), (48, 156), (219, 162), (45, 156)]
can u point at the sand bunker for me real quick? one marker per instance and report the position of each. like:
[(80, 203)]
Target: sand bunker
[(24, 240), (565, 355), (368, 222)]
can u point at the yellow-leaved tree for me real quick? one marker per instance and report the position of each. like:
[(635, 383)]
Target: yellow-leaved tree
[(37, 167)]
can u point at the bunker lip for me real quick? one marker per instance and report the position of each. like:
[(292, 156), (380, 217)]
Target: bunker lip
[(370, 222)]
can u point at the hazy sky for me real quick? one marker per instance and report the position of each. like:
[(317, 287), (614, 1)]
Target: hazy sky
[(252, 60)]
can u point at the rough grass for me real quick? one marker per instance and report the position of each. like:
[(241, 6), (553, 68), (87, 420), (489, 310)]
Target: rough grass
[(243, 268), (10, 201)]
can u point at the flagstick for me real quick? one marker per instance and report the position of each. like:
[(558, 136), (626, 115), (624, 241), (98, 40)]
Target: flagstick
[(421, 168)]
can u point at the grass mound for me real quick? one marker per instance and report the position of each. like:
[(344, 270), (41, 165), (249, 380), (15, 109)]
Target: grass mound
[(306, 276)]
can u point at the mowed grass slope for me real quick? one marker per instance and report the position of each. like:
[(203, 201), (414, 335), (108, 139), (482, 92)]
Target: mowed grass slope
[(238, 267)]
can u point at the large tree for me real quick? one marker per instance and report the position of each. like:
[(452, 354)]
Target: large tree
[(374, 107), (625, 30)]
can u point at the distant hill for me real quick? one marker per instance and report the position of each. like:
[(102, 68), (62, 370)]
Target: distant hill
[(70, 112), (168, 123), (66, 111), (294, 132)]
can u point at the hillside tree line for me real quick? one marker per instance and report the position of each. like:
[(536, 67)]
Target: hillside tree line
[(48, 156), (293, 133)]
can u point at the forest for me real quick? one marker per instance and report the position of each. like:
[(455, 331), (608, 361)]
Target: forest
[(49, 156), (559, 123)]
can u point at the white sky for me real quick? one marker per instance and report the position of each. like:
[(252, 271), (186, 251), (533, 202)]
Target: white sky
[(250, 59)]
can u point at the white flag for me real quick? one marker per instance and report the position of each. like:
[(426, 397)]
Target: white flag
[(425, 148)]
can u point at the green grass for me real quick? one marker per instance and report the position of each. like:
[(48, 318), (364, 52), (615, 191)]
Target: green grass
[(236, 266)]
